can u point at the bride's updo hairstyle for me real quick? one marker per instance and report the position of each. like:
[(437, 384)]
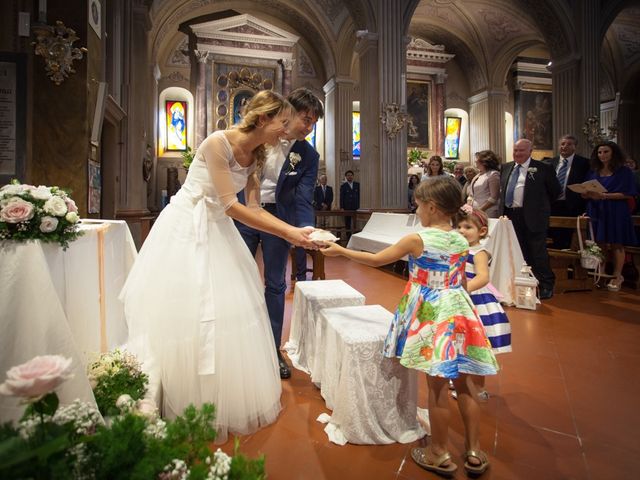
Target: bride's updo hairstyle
[(267, 103)]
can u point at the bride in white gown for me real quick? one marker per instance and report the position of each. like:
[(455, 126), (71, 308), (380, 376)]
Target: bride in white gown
[(194, 297)]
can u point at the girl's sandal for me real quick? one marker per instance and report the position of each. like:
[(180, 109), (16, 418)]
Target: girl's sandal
[(478, 469), (425, 458)]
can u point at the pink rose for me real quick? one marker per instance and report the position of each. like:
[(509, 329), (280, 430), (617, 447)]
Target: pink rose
[(147, 408), (71, 205), (17, 210), (37, 377), (48, 224)]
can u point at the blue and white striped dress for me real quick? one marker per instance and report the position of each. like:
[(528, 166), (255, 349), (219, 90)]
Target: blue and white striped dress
[(495, 321)]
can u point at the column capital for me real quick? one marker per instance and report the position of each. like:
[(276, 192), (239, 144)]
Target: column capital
[(565, 63), (365, 41), (486, 94), (335, 82), (201, 55)]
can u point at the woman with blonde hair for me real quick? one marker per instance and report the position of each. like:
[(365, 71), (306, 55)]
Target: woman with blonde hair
[(194, 299)]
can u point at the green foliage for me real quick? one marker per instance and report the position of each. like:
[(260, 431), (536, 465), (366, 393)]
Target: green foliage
[(187, 158), (243, 468)]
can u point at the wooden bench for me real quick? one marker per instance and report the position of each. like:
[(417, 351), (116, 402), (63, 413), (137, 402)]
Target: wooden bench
[(317, 264), (570, 275)]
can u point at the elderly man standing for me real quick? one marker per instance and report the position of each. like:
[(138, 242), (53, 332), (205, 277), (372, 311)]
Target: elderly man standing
[(528, 187)]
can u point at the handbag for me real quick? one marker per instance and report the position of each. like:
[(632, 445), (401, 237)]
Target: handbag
[(588, 259)]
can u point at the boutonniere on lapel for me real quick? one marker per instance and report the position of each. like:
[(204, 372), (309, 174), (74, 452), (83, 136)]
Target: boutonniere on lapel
[(531, 172), (294, 159)]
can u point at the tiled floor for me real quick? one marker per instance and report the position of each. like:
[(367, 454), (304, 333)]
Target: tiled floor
[(565, 405)]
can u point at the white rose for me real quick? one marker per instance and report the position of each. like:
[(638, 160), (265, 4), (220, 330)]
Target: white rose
[(72, 217), (11, 189), (147, 408), (48, 224), (40, 193), (37, 377), (124, 402), (55, 206)]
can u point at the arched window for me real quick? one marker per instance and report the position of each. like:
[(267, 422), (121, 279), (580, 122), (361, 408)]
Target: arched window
[(175, 120)]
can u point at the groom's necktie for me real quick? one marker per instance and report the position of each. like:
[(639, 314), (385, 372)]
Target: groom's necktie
[(511, 187), (562, 171)]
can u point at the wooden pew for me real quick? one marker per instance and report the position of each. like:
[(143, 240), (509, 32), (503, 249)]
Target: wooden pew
[(570, 275)]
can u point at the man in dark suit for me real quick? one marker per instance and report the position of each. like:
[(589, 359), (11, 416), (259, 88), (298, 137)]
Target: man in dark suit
[(323, 195), (527, 188), (570, 168), (349, 198), (286, 191)]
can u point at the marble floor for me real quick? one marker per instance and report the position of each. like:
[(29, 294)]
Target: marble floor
[(564, 405)]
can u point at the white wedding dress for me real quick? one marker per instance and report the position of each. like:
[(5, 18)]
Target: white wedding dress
[(195, 300)]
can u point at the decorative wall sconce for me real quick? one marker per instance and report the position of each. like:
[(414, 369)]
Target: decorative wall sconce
[(393, 119), (55, 45)]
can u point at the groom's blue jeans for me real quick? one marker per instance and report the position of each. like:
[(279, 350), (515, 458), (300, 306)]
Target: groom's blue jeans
[(275, 254)]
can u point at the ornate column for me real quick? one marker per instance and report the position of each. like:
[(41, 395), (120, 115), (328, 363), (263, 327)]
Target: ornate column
[(391, 72), (486, 120), (287, 66), (367, 50), (201, 96), (438, 129), (565, 81), (338, 130), (590, 43)]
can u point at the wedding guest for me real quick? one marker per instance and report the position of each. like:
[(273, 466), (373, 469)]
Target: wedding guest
[(485, 187), (435, 168), (458, 173), (436, 329), (609, 211), (469, 173), (194, 299), (349, 198), (322, 199), (414, 180), (633, 165)]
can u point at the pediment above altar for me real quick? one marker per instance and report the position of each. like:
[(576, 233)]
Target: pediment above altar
[(244, 29)]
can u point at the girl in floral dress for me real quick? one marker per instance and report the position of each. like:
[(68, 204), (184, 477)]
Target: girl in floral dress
[(436, 329)]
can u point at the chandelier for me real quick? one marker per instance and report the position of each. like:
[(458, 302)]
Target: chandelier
[(55, 45)]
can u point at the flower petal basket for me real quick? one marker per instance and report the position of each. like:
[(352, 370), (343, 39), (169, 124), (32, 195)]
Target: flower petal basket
[(40, 213)]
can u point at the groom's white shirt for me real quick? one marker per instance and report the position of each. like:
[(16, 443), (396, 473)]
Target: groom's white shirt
[(274, 160)]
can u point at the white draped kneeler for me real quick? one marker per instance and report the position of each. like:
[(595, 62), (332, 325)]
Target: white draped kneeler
[(373, 398), (308, 299)]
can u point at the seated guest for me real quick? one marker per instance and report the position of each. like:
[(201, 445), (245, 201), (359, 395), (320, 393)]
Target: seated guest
[(414, 180), (485, 187), (609, 211), (570, 168), (435, 168)]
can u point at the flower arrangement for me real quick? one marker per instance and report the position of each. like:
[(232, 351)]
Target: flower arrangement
[(72, 441), (595, 134), (414, 157), (187, 158), (37, 213), (593, 249), (294, 159), (113, 374)]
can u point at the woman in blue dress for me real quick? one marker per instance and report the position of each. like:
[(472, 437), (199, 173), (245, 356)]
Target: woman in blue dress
[(609, 211)]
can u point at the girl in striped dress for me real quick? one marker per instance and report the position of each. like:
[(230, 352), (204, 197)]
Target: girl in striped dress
[(473, 225)]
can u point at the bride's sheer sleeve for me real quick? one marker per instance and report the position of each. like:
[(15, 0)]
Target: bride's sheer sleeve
[(216, 153), (252, 191)]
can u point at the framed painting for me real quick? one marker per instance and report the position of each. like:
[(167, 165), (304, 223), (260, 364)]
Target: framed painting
[(452, 137), (533, 113), (13, 115), (176, 131), (418, 109), (238, 101)]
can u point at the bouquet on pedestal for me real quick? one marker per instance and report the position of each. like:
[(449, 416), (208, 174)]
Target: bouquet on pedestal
[(37, 213)]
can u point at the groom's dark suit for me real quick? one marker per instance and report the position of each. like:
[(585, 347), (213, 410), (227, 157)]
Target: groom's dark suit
[(531, 220), (294, 195), (573, 204)]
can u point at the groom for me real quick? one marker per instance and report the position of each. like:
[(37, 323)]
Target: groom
[(286, 191)]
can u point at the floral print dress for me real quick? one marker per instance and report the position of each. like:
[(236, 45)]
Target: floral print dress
[(436, 328)]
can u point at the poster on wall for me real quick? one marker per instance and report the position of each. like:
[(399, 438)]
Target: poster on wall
[(176, 111), (452, 137), (95, 187), (356, 134), (533, 113), (418, 111)]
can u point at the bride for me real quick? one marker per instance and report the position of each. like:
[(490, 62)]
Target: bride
[(194, 298)]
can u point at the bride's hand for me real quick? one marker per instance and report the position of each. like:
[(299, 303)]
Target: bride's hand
[(300, 237)]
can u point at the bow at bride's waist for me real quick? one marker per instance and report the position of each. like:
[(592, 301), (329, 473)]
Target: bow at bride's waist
[(199, 200)]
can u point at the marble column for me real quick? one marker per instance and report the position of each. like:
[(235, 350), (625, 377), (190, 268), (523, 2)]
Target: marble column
[(486, 121), (370, 132), (391, 72), (201, 97), (287, 66), (565, 81), (438, 127), (338, 130)]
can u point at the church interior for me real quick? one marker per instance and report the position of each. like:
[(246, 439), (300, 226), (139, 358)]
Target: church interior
[(109, 98)]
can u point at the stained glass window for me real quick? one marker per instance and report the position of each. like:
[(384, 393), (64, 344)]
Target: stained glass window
[(311, 138), (176, 125), (452, 137), (356, 134)]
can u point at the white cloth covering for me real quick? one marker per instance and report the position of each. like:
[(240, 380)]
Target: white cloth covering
[(373, 398), (195, 305), (308, 299)]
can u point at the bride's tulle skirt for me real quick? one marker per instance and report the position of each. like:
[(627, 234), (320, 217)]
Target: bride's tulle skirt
[(163, 299)]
